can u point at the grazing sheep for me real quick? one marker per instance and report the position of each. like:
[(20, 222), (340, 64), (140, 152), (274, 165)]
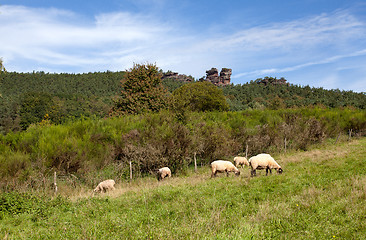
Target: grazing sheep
[(240, 161), (105, 185), (264, 161), (223, 166), (163, 173)]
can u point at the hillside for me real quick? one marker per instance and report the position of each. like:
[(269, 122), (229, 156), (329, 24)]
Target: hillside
[(26, 98), (320, 195)]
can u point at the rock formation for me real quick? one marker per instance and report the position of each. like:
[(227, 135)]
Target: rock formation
[(225, 76), (272, 81), (212, 75), (177, 77)]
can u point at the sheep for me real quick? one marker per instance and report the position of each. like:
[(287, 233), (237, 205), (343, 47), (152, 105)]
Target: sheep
[(240, 161), (163, 173), (223, 166), (105, 185), (264, 161)]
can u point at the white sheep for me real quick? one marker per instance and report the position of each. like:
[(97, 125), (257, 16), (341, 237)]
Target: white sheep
[(105, 186), (223, 166), (163, 173), (240, 161), (264, 161)]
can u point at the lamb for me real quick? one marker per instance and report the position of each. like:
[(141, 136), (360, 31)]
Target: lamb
[(264, 161), (240, 161), (163, 173), (105, 186), (223, 166)]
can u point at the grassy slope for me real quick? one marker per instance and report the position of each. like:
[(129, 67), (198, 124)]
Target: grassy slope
[(321, 195)]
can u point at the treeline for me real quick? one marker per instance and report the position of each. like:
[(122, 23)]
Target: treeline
[(29, 98), (256, 95), (95, 149)]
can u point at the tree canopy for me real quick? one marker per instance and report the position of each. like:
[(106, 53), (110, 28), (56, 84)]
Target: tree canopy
[(200, 97), (142, 91)]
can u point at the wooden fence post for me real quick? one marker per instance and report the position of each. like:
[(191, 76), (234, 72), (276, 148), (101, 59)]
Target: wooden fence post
[(285, 144), (349, 134), (337, 138), (246, 152), (195, 162), (55, 182), (130, 170)]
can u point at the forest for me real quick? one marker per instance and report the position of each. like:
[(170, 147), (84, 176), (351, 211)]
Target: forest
[(29, 98)]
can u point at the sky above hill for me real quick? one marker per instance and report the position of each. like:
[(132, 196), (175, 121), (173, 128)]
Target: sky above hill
[(320, 43)]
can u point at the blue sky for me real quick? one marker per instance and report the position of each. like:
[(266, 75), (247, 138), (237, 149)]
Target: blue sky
[(320, 43)]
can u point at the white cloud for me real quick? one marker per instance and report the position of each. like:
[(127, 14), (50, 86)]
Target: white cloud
[(57, 37), (58, 40)]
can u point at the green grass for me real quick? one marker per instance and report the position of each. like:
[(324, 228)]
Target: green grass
[(320, 195)]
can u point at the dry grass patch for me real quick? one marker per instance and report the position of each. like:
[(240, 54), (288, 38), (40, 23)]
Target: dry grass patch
[(321, 154)]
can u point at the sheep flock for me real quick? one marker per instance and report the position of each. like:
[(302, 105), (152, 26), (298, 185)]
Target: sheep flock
[(259, 162)]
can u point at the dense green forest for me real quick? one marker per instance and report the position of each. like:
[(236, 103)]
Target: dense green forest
[(256, 96), (28, 98)]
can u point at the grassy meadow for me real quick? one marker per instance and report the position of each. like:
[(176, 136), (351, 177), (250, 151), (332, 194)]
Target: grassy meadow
[(320, 195)]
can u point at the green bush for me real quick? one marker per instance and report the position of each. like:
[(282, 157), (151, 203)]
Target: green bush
[(200, 97)]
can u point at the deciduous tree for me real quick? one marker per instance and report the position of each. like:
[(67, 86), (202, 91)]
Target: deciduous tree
[(142, 91)]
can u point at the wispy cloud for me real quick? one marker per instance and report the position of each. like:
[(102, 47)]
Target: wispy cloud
[(55, 36), (324, 29), (301, 66), (57, 39)]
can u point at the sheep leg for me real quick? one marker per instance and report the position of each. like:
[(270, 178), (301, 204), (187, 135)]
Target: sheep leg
[(268, 169), (227, 173), (253, 173)]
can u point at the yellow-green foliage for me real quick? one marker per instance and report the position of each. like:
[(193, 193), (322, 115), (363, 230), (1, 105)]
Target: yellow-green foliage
[(199, 96)]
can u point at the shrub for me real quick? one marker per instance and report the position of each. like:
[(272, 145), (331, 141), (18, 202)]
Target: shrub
[(200, 97)]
